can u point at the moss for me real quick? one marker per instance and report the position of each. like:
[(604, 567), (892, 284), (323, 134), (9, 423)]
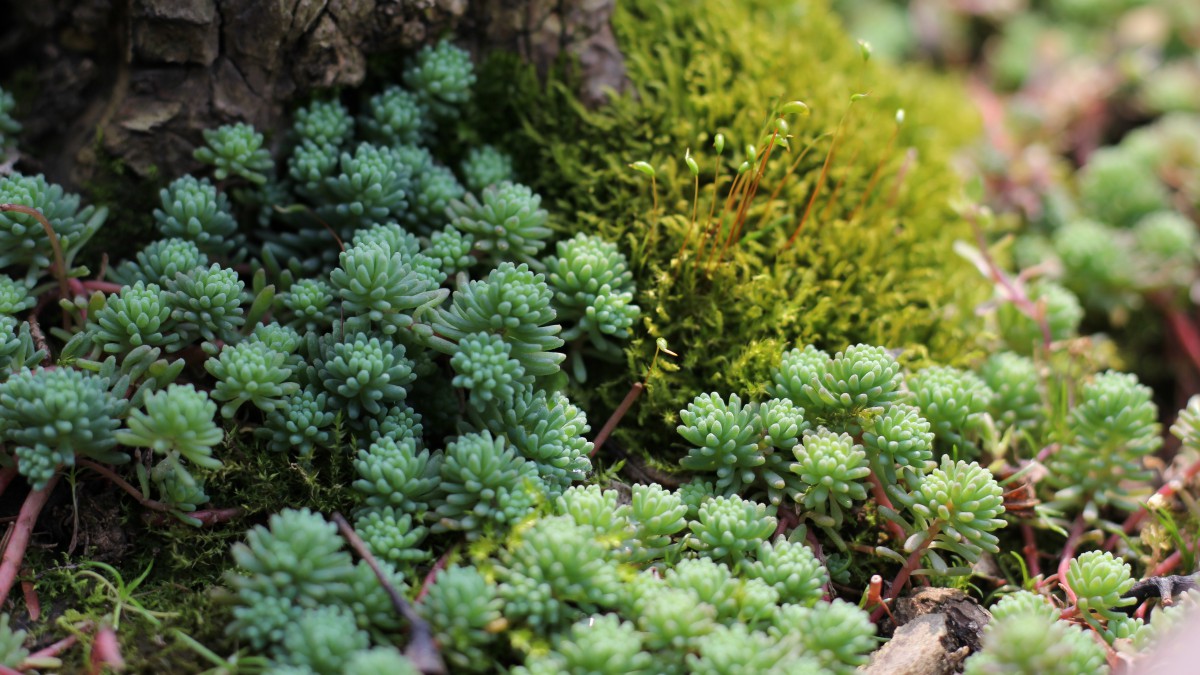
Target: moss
[(883, 274), (130, 200)]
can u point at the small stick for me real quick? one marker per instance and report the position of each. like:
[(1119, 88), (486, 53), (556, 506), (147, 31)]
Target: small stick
[(422, 649), (22, 531), (613, 420), (432, 575)]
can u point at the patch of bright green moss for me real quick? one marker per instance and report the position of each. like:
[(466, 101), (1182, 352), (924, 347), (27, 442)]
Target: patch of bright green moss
[(883, 273)]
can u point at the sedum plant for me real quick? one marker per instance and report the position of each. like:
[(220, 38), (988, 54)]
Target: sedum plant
[(236, 150), (485, 166), (194, 210), (441, 76), (506, 222)]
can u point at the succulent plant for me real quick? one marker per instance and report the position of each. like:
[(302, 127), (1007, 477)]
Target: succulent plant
[(178, 421), (1014, 380), (603, 644), (372, 185), (236, 150), (555, 574), (593, 292), (49, 416), (954, 401), (832, 469), (726, 438), (391, 535), (325, 123), (12, 649), (1112, 428), (956, 507), (730, 528), (363, 374), (791, 568), (194, 210), (1062, 314), (250, 372), (656, 515), (310, 303), (1029, 643), (207, 303), (9, 128), (159, 262), (442, 77), (484, 166), (139, 315), (899, 438), (546, 429), (14, 296), (451, 250), (434, 190), (381, 288), (506, 221), (487, 486), (1024, 603), (301, 422), (393, 473), (486, 371), (24, 242), (837, 634), (322, 639), (1117, 189), (1099, 581), (396, 116), (461, 608), (512, 302)]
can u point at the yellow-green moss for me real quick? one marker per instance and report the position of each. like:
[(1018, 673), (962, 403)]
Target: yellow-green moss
[(885, 276)]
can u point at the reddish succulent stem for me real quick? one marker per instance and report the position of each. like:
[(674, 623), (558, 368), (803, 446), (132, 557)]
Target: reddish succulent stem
[(22, 530), (1167, 490), (106, 287), (1168, 565), (881, 499), (910, 564), (815, 545), (613, 420), (55, 649), (60, 263), (1184, 330), (1031, 551)]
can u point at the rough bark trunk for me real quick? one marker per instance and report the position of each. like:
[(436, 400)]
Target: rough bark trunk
[(134, 82)]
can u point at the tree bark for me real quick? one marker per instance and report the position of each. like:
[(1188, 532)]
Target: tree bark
[(134, 82)]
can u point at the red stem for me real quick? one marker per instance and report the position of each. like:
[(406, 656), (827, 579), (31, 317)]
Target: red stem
[(1185, 331), (1031, 551), (106, 287), (121, 483), (914, 559), (22, 530), (1167, 565), (881, 499)]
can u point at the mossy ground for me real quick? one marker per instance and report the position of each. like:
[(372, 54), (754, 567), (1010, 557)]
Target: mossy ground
[(873, 262)]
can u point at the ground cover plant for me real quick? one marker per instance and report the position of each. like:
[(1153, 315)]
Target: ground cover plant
[(401, 398)]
